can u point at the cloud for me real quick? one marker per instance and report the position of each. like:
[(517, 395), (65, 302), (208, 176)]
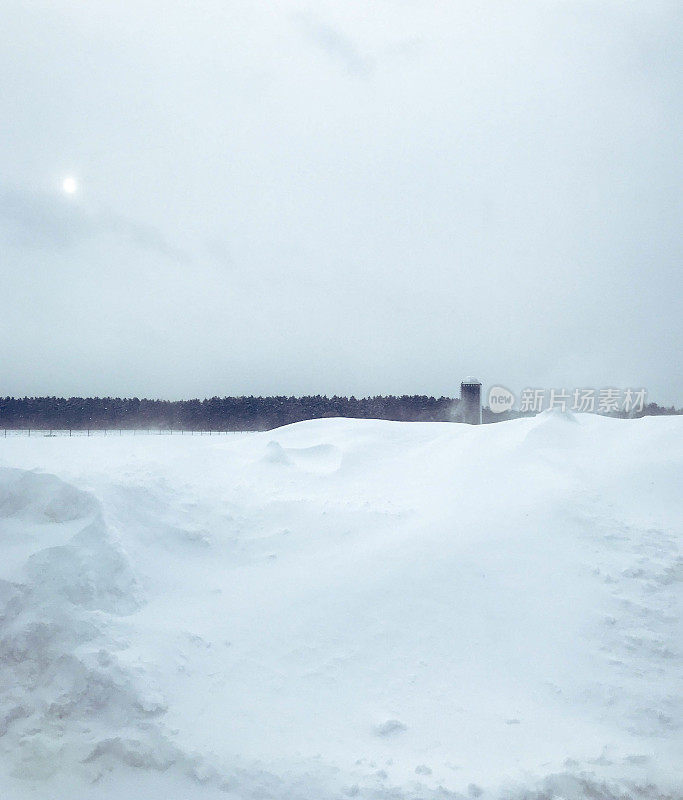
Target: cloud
[(336, 44), (41, 220), (145, 237), (372, 197), (29, 219)]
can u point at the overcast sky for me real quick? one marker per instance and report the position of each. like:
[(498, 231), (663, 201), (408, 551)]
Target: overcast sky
[(346, 197)]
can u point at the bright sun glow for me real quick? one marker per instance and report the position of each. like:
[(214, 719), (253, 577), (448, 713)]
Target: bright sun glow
[(69, 185)]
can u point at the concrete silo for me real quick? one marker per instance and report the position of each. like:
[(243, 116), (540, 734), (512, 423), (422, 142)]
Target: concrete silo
[(469, 409)]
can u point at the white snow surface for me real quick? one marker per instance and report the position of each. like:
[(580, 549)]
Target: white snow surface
[(344, 608)]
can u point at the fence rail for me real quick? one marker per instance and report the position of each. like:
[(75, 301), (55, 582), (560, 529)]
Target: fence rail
[(90, 432)]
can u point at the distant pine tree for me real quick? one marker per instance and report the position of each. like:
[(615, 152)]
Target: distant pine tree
[(235, 413)]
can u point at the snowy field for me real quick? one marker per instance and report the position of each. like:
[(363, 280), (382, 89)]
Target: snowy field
[(344, 608)]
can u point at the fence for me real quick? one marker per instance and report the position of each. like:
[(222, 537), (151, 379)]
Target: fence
[(90, 432)]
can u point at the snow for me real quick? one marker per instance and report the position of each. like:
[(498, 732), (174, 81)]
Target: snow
[(344, 608)]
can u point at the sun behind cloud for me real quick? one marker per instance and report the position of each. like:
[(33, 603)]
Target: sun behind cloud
[(69, 185)]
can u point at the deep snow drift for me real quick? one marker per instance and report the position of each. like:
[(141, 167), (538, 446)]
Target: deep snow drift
[(344, 608)]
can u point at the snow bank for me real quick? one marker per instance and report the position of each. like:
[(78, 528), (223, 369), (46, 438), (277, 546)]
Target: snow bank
[(344, 608)]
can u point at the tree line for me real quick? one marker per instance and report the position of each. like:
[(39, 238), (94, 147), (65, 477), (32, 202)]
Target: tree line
[(233, 413), (215, 413)]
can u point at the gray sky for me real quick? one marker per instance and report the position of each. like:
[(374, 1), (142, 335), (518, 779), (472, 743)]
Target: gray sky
[(340, 197)]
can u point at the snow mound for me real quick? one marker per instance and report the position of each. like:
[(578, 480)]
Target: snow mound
[(345, 608), (39, 498), (61, 654), (321, 458)]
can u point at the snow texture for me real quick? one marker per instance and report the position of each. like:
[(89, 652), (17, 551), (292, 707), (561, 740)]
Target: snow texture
[(344, 608)]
